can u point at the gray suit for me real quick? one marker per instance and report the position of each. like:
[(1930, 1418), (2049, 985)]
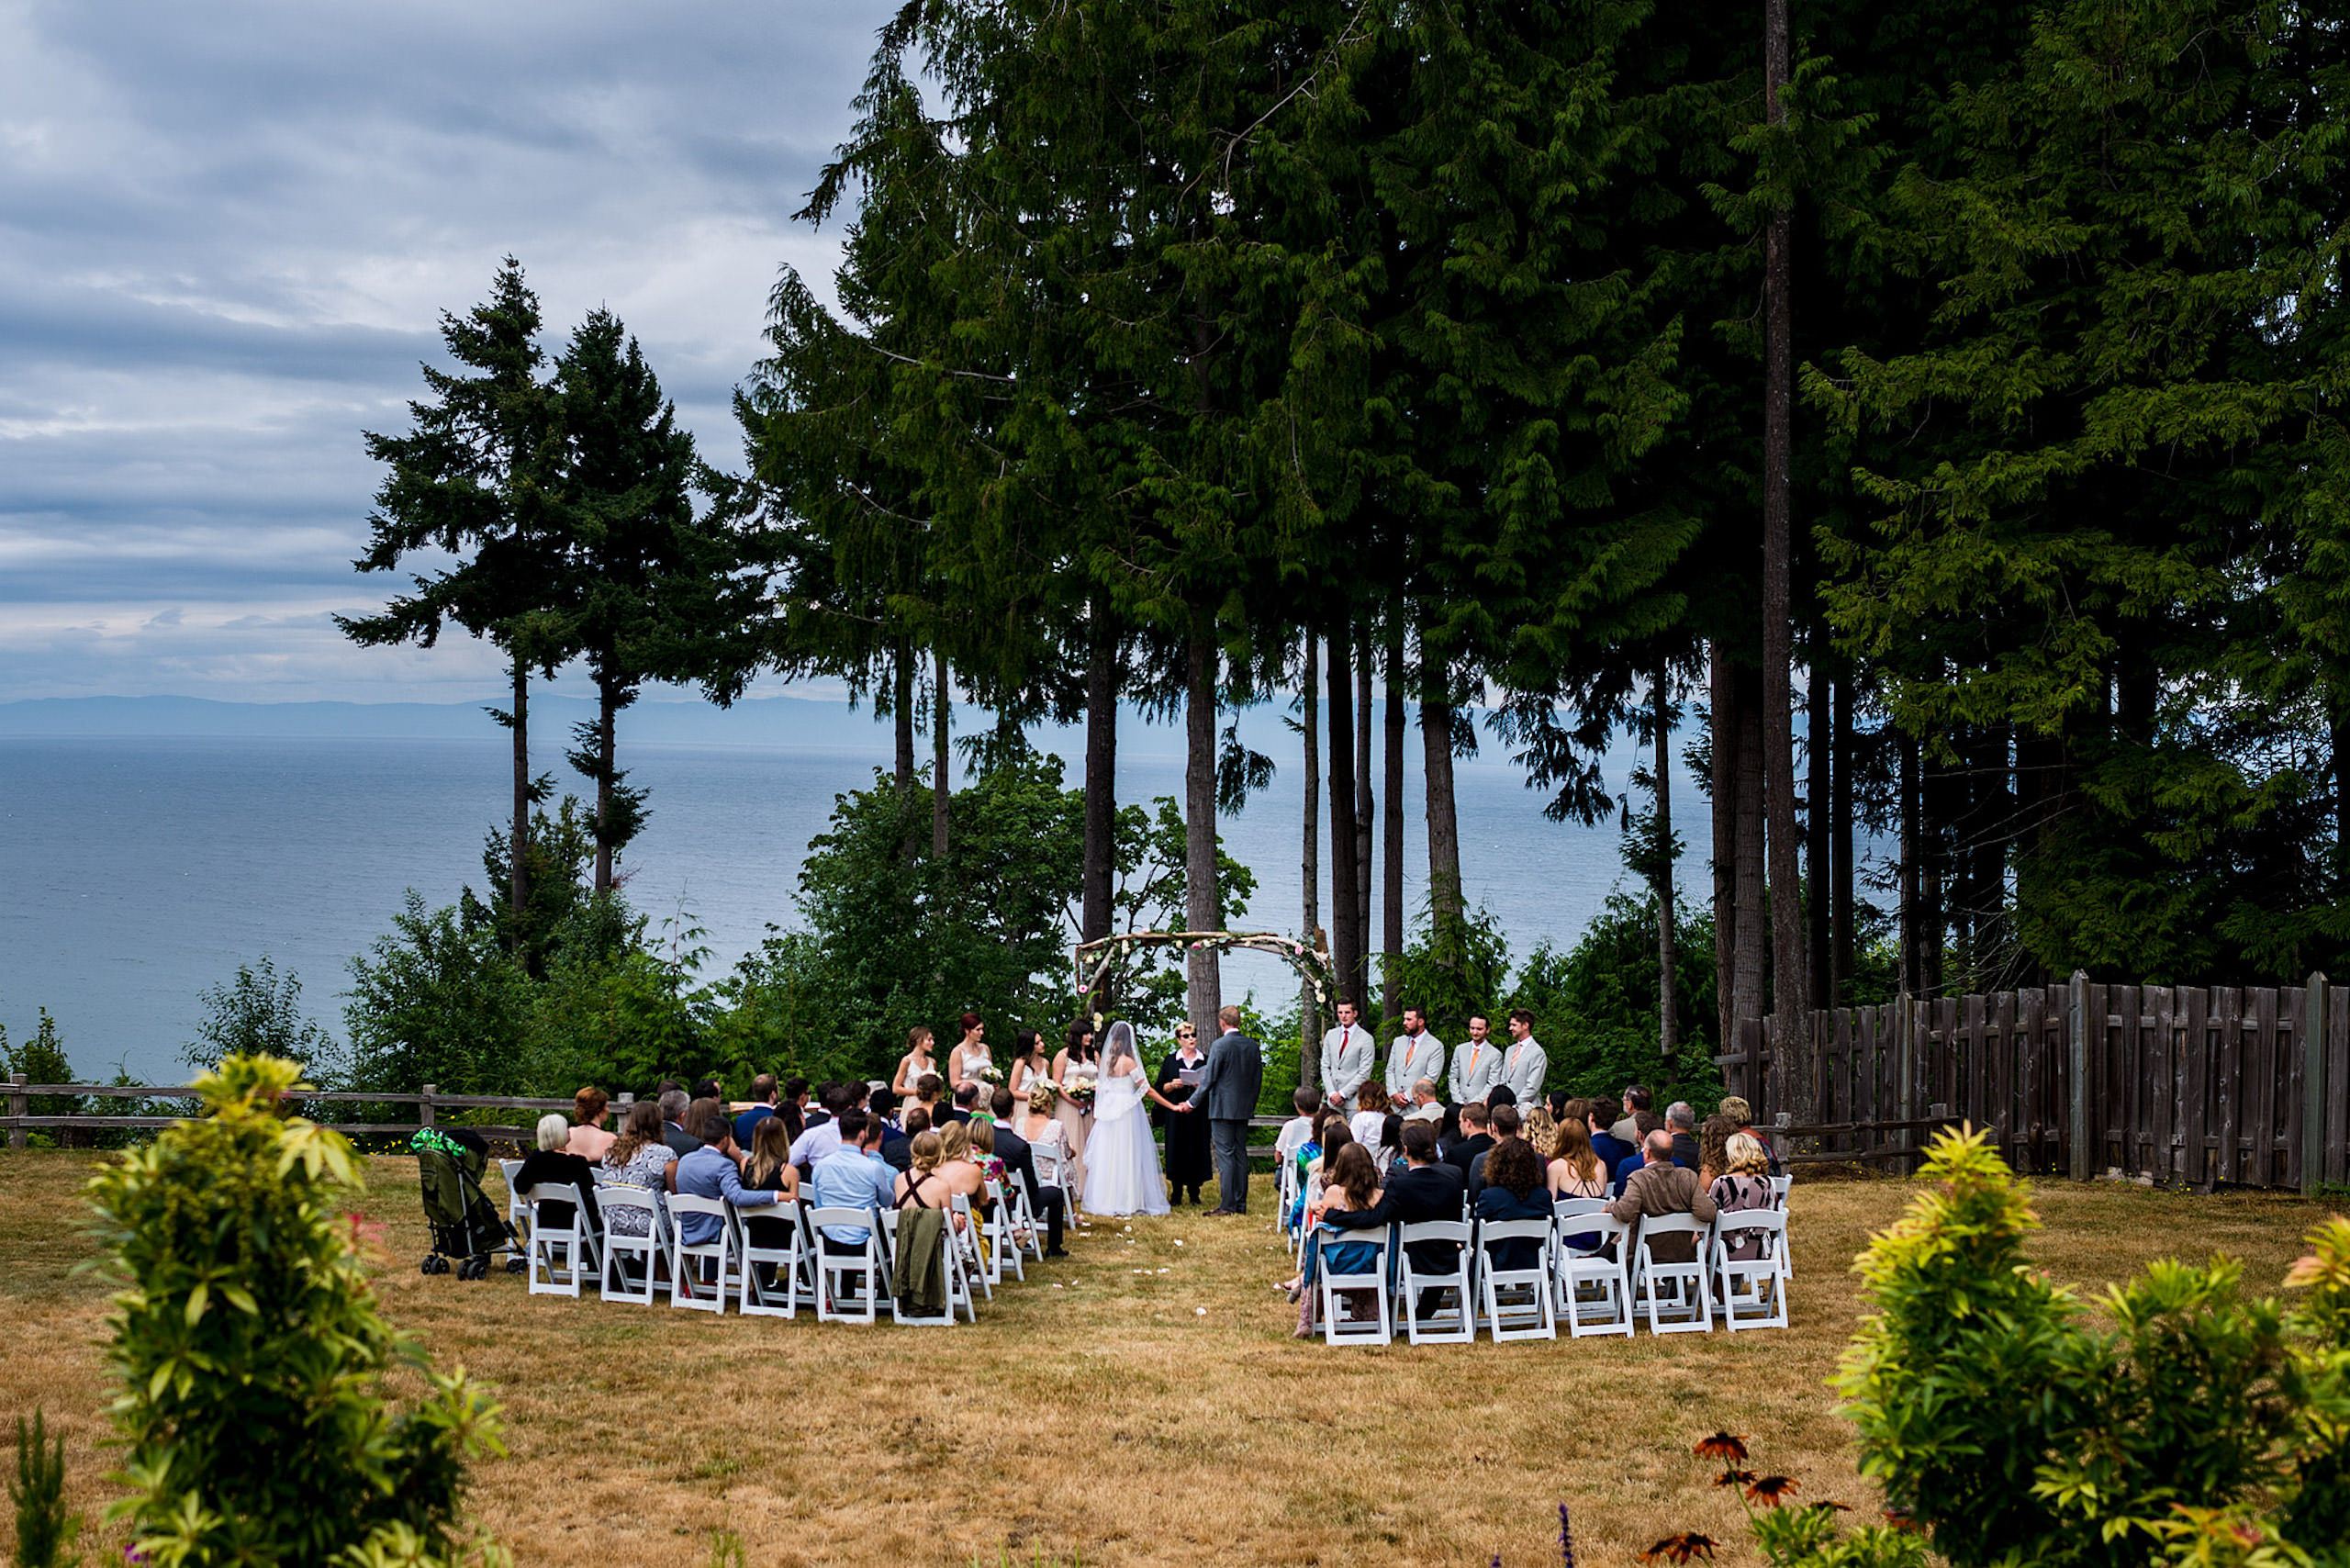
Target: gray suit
[(1523, 1066), (1475, 1070), (1229, 1085), (1346, 1057), (1409, 1061)]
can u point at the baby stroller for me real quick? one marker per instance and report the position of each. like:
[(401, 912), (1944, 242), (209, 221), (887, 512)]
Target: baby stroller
[(465, 1225)]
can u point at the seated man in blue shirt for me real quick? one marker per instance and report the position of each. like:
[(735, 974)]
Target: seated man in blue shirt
[(853, 1176), (714, 1170)]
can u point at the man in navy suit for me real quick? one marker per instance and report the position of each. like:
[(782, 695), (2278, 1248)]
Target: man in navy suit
[(1426, 1189), (1021, 1166)]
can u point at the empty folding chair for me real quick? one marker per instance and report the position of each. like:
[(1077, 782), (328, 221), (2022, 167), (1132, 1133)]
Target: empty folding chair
[(776, 1261), (1753, 1291), (1440, 1325), (840, 1265), (561, 1257), (1595, 1287), (1516, 1301), (626, 1256), (1367, 1280), (1672, 1294), (690, 1286)]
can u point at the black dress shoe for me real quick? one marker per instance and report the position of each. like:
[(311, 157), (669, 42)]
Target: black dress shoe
[(1055, 1251)]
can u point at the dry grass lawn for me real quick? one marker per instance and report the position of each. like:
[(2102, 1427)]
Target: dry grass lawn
[(1102, 1408)]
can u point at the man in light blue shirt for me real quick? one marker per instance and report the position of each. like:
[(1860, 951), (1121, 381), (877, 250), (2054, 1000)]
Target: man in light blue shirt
[(854, 1176), (710, 1172)]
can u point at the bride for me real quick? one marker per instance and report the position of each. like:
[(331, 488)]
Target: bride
[(1121, 1174)]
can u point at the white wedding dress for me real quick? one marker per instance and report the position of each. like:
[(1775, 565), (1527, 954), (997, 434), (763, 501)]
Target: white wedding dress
[(1121, 1171)]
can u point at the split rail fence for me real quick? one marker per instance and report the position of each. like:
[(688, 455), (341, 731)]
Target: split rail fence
[(2203, 1086)]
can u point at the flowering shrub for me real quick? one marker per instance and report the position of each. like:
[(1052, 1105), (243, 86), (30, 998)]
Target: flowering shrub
[(252, 1353)]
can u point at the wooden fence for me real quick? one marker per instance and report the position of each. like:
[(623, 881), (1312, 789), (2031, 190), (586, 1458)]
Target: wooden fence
[(2202, 1086), (19, 1119)]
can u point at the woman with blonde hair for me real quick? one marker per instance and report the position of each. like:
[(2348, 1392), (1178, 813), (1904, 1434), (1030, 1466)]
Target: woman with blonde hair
[(1541, 1131), (1745, 1184)]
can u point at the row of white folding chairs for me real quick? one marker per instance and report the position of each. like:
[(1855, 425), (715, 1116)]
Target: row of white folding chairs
[(1583, 1286), (704, 1275)]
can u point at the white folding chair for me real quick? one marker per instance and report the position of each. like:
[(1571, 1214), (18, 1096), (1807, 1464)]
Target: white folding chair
[(574, 1240), (687, 1287), (1595, 1291), (1028, 1229), (1763, 1303), (790, 1264), (1002, 1229), (516, 1212), (1456, 1325), (1379, 1328), (969, 1240), (1780, 1188), (867, 1264), (1285, 1191), (1517, 1302), (1674, 1294), (650, 1251)]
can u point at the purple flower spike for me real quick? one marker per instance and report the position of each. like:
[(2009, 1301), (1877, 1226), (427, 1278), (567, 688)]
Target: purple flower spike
[(1566, 1538)]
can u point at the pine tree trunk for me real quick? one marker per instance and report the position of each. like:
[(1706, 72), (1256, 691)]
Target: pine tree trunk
[(1100, 780), (941, 740), (518, 887), (1346, 934), (1366, 820), (606, 753), (1913, 843), (1753, 953), (1310, 1011), (903, 718), (1203, 981), (1721, 692), (1668, 1014), (2338, 738), (1818, 788), (1391, 887), (1790, 975), (1840, 829), (1447, 906)]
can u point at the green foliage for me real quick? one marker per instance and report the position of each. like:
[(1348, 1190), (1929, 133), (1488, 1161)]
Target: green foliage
[(260, 1014), (42, 1060), (1595, 1004), (44, 1530), (438, 1000), (252, 1355), (1999, 1417)]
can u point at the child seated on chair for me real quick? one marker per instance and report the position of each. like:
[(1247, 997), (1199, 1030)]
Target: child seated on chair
[(1352, 1182)]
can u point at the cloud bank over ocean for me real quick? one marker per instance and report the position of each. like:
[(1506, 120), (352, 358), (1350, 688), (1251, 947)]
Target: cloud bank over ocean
[(226, 232)]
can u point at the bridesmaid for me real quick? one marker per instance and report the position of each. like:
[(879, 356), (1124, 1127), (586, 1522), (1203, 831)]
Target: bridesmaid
[(1075, 1061), (1028, 1067), (912, 1067), (964, 1062)]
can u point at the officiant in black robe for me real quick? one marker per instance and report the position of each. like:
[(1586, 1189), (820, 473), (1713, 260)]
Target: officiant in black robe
[(1188, 1161)]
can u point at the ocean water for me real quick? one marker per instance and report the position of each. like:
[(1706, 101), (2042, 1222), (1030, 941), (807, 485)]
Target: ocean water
[(136, 871)]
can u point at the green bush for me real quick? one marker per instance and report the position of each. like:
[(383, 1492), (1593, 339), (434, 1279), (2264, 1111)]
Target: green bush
[(44, 1530), (42, 1060), (258, 1013), (252, 1356)]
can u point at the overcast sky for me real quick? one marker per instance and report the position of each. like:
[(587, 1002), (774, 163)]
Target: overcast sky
[(227, 230)]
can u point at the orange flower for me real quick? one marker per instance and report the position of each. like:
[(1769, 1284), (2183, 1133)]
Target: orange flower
[(1680, 1548), (1770, 1489), (1722, 1445)]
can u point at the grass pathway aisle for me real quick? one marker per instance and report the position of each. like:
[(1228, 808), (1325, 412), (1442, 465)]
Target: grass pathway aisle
[(1152, 1408)]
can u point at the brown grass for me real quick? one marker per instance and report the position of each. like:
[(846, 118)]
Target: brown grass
[(1112, 1417)]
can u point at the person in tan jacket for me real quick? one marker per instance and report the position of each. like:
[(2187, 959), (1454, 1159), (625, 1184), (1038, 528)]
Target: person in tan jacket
[(1660, 1187)]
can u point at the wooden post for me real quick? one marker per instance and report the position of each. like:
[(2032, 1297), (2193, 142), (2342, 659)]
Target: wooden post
[(2314, 1088), (424, 1107), (2077, 1030), (18, 1101)]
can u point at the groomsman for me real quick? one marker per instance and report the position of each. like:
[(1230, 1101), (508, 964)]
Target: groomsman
[(1346, 1056), (1476, 1064), (1415, 1054), (1525, 1061)]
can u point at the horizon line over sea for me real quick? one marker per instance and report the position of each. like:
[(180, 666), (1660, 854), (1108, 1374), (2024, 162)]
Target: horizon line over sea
[(144, 867)]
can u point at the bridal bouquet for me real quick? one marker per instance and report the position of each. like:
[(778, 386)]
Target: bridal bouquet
[(1079, 1090)]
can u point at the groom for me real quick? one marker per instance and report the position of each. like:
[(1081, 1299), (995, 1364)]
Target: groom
[(1227, 1094)]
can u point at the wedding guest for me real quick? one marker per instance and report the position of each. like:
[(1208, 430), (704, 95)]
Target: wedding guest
[(1682, 1123), (1575, 1171), (694, 1121), (551, 1164), (1039, 1128), (714, 1170), (1643, 1123), (1612, 1150), (966, 1106), (912, 1066), (957, 1165), (1298, 1131), (589, 1138), (1189, 1162), (639, 1157), (1658, 1188), (1387, 1154), (764, 1092), (1369, 1115), (1745, 1185), (1735, 1107), (1713, 1147), (823, 1138), (1505, 1126), (1541, 1131), (1476, 1138), (769, 1169), (708, 1089), (673, 1103), (1076, 1065), (1514, 1190), (969, 1063), (983, 1155), (1333, 1140), (1636, 1099), (1426, 1190), (1557, 1102), (930, 1093), (852, 1177), (925, 1184), (1426, 1106), (1049, 1204), (1352, 1184)]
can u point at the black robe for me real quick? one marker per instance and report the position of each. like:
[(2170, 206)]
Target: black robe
[(1189, 1164)]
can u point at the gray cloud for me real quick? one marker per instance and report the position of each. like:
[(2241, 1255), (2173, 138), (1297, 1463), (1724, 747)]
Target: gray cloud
[(226, 235)]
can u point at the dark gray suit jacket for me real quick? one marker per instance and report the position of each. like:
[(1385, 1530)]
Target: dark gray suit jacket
[(1231, 1080)]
